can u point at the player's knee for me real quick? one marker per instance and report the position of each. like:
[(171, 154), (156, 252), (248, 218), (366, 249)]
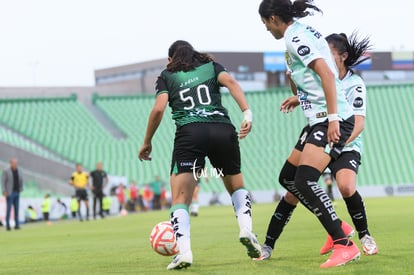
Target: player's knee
[(347, 190), (287, 174)]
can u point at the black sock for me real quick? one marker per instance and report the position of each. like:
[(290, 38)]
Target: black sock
[(306, 181), (287, 180), (280, 218), (356, 210)]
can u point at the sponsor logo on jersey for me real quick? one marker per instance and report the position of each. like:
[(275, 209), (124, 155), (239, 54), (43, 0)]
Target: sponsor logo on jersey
[(186, 163), (358, 102), (303, 50)]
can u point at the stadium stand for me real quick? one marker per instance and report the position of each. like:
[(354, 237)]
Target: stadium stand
[(66, 127), (10, 137)]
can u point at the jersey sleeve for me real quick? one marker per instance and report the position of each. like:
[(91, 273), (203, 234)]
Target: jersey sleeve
[(302, 47), (357, 96), (160, 86), (218, 69)]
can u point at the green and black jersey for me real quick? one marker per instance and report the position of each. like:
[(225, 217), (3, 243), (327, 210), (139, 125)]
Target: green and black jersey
[(194, 96)]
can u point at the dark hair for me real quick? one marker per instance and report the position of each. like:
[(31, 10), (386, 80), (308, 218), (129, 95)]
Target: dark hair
[(286, 10), (355, 47), (184, 57)]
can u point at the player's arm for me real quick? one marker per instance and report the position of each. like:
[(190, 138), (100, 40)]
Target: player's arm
[(290, 103), (154, 121), (71, 180), (236, 92), (329, 88)]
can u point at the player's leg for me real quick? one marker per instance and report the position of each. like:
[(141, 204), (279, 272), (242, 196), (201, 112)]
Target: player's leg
[(182, 188), (101, 212), (285, 207), (224, 155), (346, 168), (78, 197), (9, 199), (287, 204), (94, 205), (187, 157), (313, 162), (85, 200), (16, 210), (241, 201)]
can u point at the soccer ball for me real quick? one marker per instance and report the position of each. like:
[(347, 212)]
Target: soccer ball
[(162, 239)]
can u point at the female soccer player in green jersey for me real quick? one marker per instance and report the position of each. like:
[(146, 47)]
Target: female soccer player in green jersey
[(191, 85), (330, 117)]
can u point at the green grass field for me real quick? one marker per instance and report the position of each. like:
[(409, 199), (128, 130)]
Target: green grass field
[(120, 245)]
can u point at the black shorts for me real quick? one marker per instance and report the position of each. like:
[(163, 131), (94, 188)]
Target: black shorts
[(195, 141), (318, 136), (347, 160), (81, 194), (302, 138)]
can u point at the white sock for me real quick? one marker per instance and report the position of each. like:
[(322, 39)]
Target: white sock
[(242, 208), (180, 220)]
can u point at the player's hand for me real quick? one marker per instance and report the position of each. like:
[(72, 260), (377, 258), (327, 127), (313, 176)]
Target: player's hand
[(333, 132), (289, 104), (144, 152), (5, 194), (245, 129), (246, 125)]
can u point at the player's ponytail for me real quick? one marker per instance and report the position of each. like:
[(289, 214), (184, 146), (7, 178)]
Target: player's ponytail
[(354, 46), (287, 10)]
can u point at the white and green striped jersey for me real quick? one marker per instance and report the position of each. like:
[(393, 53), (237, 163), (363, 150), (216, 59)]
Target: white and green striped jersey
[(355, 92), (303, 45)]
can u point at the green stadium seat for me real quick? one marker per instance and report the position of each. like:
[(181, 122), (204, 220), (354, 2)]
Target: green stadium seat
[(66, 127)]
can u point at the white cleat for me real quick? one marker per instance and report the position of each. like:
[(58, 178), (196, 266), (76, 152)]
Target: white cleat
[(181, 261), (368, 245), (249, 240), (266, 253)]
